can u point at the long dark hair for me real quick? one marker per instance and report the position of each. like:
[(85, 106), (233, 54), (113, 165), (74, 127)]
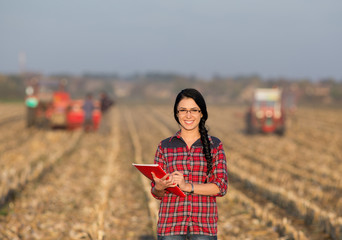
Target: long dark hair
[(198, 98)]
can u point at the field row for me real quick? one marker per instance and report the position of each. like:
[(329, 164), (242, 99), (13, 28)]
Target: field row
[(82, 195), (53, 200), (279, 186)]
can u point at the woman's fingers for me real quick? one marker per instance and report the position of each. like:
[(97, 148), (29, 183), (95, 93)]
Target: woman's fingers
[(178, 176), (164, 182), (178, 179)]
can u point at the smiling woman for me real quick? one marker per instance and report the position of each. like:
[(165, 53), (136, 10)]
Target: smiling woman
[(196, 162)]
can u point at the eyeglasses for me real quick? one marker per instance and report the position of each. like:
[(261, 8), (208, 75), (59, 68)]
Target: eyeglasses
[(193, 112)]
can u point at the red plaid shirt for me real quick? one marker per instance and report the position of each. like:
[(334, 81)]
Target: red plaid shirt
[(198, 212)]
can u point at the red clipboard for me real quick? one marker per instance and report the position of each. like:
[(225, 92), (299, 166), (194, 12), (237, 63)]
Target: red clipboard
[(146, 169)]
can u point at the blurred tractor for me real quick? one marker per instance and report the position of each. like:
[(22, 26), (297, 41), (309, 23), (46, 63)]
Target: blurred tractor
[(50, 106), (75, 115), (266, 113)]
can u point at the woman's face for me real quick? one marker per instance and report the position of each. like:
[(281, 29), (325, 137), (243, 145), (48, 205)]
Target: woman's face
[(189, 114)]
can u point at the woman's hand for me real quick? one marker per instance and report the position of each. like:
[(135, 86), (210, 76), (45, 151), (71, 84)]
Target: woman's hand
[(178, 178), (162, 183)]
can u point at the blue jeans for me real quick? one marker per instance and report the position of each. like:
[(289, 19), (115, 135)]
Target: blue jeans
[(188, 237)]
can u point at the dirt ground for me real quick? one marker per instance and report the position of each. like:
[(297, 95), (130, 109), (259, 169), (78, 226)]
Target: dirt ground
[(59, 184)]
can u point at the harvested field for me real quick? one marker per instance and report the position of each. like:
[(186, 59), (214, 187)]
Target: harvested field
[(57, 184)]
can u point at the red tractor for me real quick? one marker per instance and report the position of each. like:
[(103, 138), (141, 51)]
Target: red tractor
[(75, 115), (50, 106), (266, 113)]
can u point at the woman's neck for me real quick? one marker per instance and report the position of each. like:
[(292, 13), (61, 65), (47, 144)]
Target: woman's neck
[(190, 136)]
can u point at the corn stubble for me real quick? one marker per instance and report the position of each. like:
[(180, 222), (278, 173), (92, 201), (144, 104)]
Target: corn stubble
[(57, 184)]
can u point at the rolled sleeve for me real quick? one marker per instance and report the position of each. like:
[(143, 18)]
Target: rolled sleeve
[(220, 171), (158, 159)]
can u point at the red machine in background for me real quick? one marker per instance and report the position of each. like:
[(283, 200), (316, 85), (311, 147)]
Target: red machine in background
[(75, 115), (266, 113), (50, 106)]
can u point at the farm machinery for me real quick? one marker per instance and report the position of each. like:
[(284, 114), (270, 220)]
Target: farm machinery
[(49, 105), (266, 114)]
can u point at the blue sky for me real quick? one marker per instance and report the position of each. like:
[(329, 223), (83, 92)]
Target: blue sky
[(272, 38)]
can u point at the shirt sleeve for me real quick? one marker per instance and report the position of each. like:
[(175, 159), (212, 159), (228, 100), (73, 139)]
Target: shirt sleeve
[(158, 159), (219, 174)]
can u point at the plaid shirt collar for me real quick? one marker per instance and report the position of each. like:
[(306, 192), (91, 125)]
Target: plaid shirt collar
[(177, 135)]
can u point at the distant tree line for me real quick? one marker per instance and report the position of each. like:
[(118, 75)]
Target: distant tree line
[(160, 87)]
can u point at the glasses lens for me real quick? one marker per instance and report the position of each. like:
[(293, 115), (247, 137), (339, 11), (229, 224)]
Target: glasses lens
[(191, 111)]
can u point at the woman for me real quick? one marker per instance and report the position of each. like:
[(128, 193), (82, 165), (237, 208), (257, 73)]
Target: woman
[(196, 163)]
